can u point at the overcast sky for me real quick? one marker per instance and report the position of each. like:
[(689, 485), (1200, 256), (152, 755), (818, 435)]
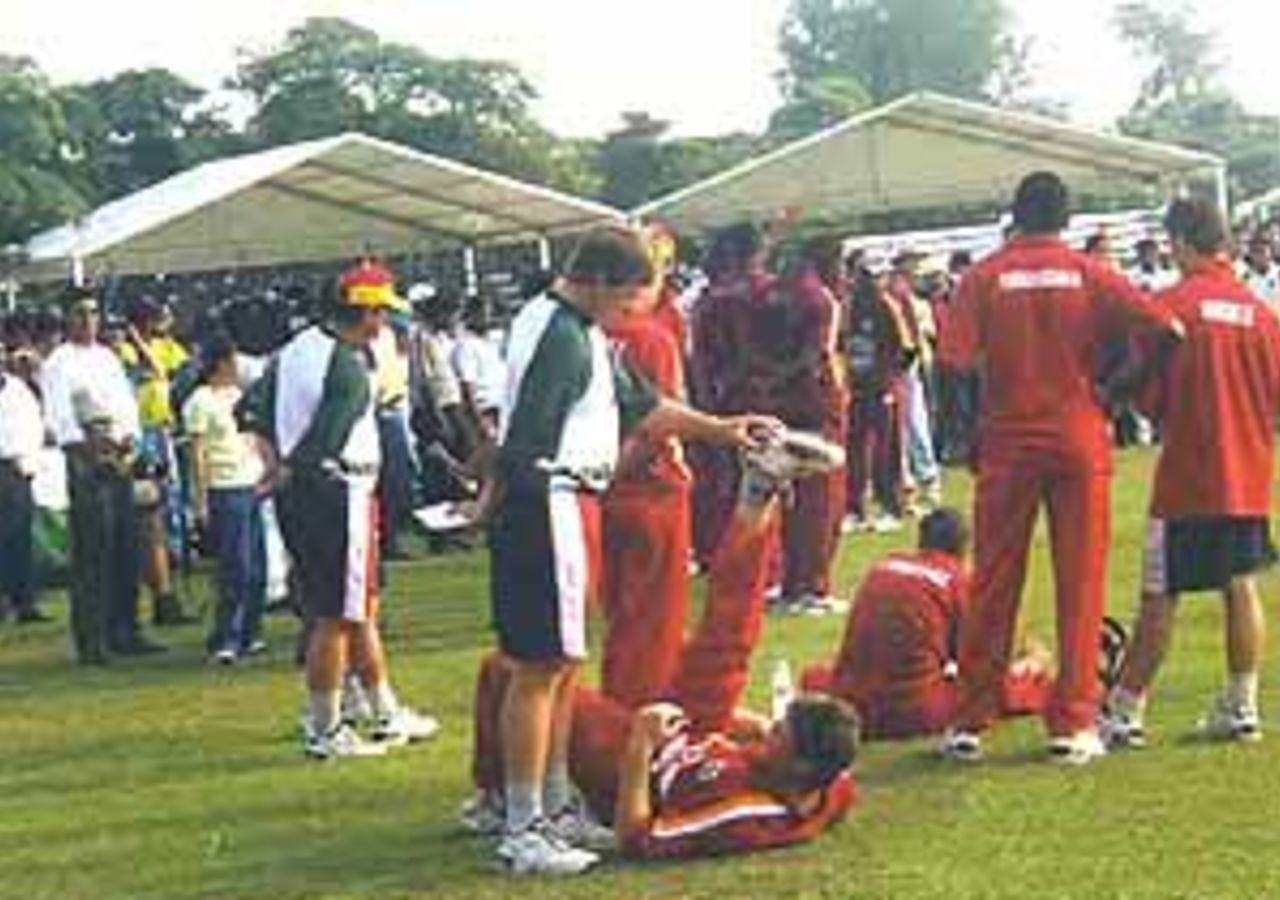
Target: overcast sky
[(706, 65)]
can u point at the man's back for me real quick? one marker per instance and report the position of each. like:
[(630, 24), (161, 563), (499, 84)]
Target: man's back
[(1218, 399), (1030, 318), (901, 630)]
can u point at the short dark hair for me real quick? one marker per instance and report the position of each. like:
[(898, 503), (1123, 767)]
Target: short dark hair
[(825, 734), (1198, 224), (613, 257), (944, 530), (732, 246), (1041, 204), (75, 294)]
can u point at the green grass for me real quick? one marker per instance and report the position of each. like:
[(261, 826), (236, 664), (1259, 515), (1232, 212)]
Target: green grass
[(168, 778)]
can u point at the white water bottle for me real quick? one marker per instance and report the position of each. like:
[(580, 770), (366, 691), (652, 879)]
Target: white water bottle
[(782, 689)]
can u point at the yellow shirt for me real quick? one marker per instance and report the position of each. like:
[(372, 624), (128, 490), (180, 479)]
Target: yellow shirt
[(154, 408), (391, 369)]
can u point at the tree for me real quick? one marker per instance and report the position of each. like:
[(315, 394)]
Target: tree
[(331, 76), (36, 188), (816, 104), (893, 47), (1182, 100), (139, 127)]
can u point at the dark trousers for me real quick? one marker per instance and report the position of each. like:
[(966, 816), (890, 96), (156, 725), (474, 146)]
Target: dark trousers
[(235, 520), (875, 450), (17, 510), (398, 479), (104, 558)]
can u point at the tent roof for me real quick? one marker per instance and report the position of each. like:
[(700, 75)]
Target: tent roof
[(318, 200), (922, 152)]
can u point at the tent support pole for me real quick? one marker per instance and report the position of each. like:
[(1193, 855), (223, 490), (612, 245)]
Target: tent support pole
[(77, 271), (544, 253), (1222, 194), (471, 277)]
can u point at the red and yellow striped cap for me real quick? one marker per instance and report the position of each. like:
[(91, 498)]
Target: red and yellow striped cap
[(370, 285)]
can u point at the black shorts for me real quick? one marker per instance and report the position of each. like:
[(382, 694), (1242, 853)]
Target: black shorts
[(330, 528), (545, 551), (1204, 554)]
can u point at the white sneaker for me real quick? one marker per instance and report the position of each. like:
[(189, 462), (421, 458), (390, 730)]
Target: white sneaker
[(343, 741), (404, 726), (960, 746), (225, 657), (821, 605), (790, 455), (1079, 749), (483, 814), (575, 825), (1226, 721), (1121, 731), (538, 851), (852, 524), (886, 524)]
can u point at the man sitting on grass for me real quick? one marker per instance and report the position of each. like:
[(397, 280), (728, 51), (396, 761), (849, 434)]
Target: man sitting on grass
[(695, 777), (896, 664)]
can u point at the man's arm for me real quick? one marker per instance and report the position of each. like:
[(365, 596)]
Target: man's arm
[(672, 418), (633, 808)]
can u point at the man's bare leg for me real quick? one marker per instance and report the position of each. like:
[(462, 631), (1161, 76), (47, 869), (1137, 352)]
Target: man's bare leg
[(557, 786), (527, 723), (326, 663), (1245, 634)]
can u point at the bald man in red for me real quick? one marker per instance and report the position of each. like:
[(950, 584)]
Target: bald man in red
[(1029, 318)]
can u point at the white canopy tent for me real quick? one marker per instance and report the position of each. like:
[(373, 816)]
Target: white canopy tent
[(926, 151), (320, 200)]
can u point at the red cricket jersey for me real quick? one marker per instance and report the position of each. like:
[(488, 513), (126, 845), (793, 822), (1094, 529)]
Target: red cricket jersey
[(722, 328), (704, 803), (669, 315), (901, 631), (1217, 398), (796, 323), (1030, 318), (649, 348)]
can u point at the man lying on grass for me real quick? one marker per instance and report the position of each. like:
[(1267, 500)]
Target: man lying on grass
[(671, 790), (692, 777)]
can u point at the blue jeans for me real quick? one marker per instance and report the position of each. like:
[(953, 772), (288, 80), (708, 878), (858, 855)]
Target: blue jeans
[(921, 461), (235, 520)]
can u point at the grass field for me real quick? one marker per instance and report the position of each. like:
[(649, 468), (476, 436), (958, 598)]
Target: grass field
[(171, 779)]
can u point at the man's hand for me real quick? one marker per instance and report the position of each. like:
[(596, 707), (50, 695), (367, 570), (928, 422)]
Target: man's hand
[(746, 432), (660, 721)]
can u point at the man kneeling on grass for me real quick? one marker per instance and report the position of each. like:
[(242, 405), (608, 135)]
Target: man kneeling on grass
[(896, 663)]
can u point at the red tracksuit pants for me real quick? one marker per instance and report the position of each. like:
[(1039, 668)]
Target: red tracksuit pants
[(876, 451), (1013, 482), (712, 677), (645, 590), (811, 523), (915, 710)]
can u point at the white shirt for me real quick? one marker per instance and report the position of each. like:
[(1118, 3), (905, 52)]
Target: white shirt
[(478, 361), (1265, 284), (21, 425), (80, 381), (1153, 282)]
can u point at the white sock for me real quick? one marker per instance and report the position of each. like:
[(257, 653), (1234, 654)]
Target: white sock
[(1126, 703), (1242, 690), (326, 711), (524, 805), (383, 700), (557, 788)]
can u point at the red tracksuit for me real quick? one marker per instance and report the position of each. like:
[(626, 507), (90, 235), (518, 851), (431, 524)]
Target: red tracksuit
[(645, 591), (704, 797), (798, 325), (1217, 401), (900, 636), (717, 385), (1030, 318)]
